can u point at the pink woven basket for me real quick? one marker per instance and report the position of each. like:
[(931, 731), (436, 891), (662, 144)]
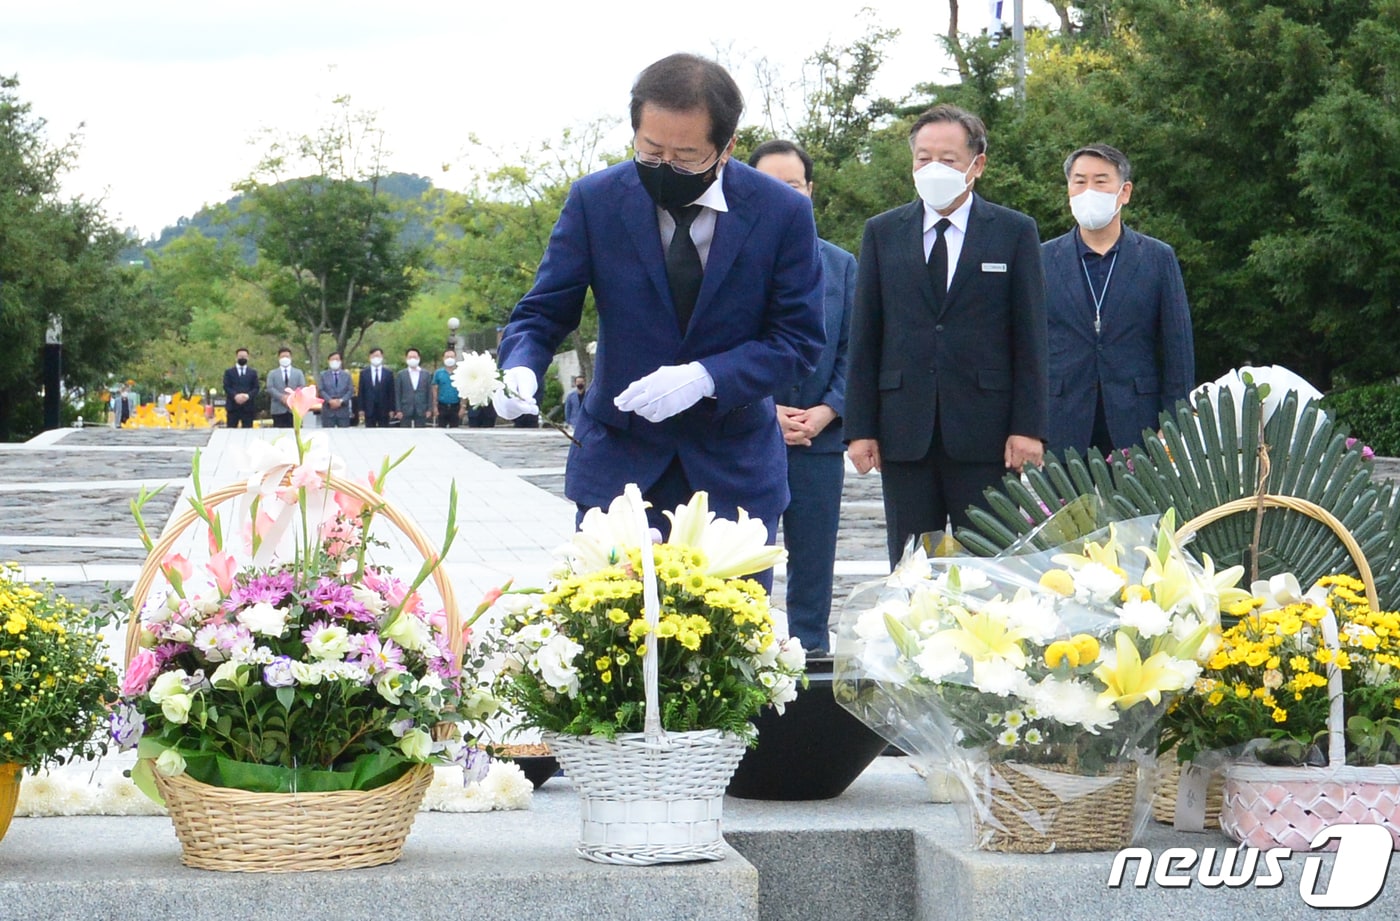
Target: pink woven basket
[(1268, 807)]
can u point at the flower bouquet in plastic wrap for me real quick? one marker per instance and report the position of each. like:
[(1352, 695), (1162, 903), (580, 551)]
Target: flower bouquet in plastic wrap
[(1036, 679)]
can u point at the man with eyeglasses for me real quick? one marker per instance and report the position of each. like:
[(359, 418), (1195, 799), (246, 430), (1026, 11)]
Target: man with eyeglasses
[(708, 285)]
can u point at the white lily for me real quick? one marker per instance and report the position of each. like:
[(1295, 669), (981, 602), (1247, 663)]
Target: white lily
[(733, 548)]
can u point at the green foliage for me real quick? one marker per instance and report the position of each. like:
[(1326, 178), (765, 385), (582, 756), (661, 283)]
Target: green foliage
[(1199, 465), (57, 258), (1372, 412), (55, 680)]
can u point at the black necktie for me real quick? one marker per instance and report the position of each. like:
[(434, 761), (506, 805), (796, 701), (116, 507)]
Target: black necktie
[(938, 262), (683, 268)]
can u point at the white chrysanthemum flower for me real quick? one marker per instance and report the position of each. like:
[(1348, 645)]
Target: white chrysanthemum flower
[(1072, 704), (1033, 614), (939, 659), (476, 377), (1146, 616), (1014, 718), (1009, 737), (1096, 582), (263, 618), (1033, 737), (998, 676)]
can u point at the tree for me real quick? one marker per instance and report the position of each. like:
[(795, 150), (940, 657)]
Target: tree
[(494, 236), (57, 258), (335, 262)]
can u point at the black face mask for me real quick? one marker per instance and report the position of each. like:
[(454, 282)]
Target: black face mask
[(242, 362), (670, 189)]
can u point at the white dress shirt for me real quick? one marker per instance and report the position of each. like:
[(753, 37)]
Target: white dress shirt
[(702, 229), (953, 236)]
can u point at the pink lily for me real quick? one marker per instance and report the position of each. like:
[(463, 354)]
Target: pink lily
[(303, 400), (222, 566)]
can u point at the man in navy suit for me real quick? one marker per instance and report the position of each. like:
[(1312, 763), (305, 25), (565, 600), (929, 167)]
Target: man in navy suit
[(376, 397), (947, 383), (809, 414), (241, 388), (709, 294), (1121, 350)]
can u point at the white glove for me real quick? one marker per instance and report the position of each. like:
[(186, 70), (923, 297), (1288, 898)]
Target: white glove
[(666, 391), (517, 397)]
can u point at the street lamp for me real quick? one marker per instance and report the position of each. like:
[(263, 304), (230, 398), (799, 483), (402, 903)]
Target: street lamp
[(455, 341)]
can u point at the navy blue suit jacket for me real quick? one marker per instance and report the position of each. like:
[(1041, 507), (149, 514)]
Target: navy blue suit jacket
[(376, 402), (976, 367), (1144, 359), (827, 382), (757, 327)]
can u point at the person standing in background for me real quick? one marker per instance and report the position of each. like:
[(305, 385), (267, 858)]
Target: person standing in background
[(947, 388), (809, 415), (445, 396), (573, 401), (281, 382), (376, 397), (335, 390), (241, 386), (413, 405), (1121, 349)]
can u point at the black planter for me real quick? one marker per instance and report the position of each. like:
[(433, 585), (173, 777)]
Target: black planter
[(815, 750), (537, 768)]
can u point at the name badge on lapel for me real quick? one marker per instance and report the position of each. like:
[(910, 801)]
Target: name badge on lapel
[(994, 266)]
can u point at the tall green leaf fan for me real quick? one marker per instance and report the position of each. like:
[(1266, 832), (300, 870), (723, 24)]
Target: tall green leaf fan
[(1204, 458)]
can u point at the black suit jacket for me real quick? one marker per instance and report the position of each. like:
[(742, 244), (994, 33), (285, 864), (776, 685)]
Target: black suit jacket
[(976, 367), (244, 383), (376, 402)]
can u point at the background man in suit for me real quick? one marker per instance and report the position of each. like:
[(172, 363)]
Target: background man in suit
[(241, 392), (413, 392), (947, 384), (573, 400), (335, 389), (1121, 350), (708, 287), (281, 381), (809, 414), (376, 397)]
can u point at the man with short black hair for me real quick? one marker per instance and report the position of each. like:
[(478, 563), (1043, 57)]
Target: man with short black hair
[(413, 405), (335, 390), (947, 384), (708, 288), (1121, 349), (376, 396), (281, 382), (241, 388), (809, 414)]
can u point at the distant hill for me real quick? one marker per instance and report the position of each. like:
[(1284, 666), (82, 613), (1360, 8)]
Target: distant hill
[(406, 187)]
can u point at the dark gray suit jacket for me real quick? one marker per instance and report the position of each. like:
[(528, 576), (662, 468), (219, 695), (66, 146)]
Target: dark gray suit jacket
[(413, 403), (1144, 359), (976, 368)]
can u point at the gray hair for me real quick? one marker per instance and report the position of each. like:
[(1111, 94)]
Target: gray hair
[(1103, 152)]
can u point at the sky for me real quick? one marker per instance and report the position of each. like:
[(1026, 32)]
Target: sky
[(173, 99)]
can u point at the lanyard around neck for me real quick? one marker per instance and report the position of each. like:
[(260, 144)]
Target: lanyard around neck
[(1098, 296)]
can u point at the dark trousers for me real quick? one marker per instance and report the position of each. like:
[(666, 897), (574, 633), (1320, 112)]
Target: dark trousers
[(239, 417), (673, 489), (282, 420), (449, 415), (809, 534), (921, 495), (1100, 440), (377, 420)]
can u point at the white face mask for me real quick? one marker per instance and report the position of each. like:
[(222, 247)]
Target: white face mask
[(335, 365), (449, 362), (939, 185), (411, 362), (376, 360), (284, 362), (1095, 210)]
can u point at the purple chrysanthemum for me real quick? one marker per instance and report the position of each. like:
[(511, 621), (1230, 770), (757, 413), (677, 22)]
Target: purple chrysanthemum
[(270, 588), (336, 600)]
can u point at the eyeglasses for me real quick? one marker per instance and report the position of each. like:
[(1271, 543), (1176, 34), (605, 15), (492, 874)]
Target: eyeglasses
[(684, 167)]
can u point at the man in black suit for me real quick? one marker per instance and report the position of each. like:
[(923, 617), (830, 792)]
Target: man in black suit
[(241, 392), (947, 386), (376, 397)]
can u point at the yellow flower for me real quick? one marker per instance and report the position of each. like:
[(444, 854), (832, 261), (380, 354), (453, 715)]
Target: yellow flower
[(1280, 715), (982, 636), (617, 615), (606, 677), (1058, 581), (1215, 698), (602, 663), (1131, 679), (1061, 651)]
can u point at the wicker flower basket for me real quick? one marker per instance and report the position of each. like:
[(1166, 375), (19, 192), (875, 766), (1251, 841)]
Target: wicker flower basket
[(10, 777), (1269, 806), (222, 828), (1165, 807), (1039, 808), (649, 797)]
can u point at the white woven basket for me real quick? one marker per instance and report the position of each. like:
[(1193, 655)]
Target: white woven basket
[(1268, 807), (649, 797)]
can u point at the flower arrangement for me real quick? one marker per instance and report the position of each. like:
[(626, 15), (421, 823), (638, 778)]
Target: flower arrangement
[(1057, 657), (1263, 692), (298, 665), (181, 412), (55, 679), (571, 661)]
